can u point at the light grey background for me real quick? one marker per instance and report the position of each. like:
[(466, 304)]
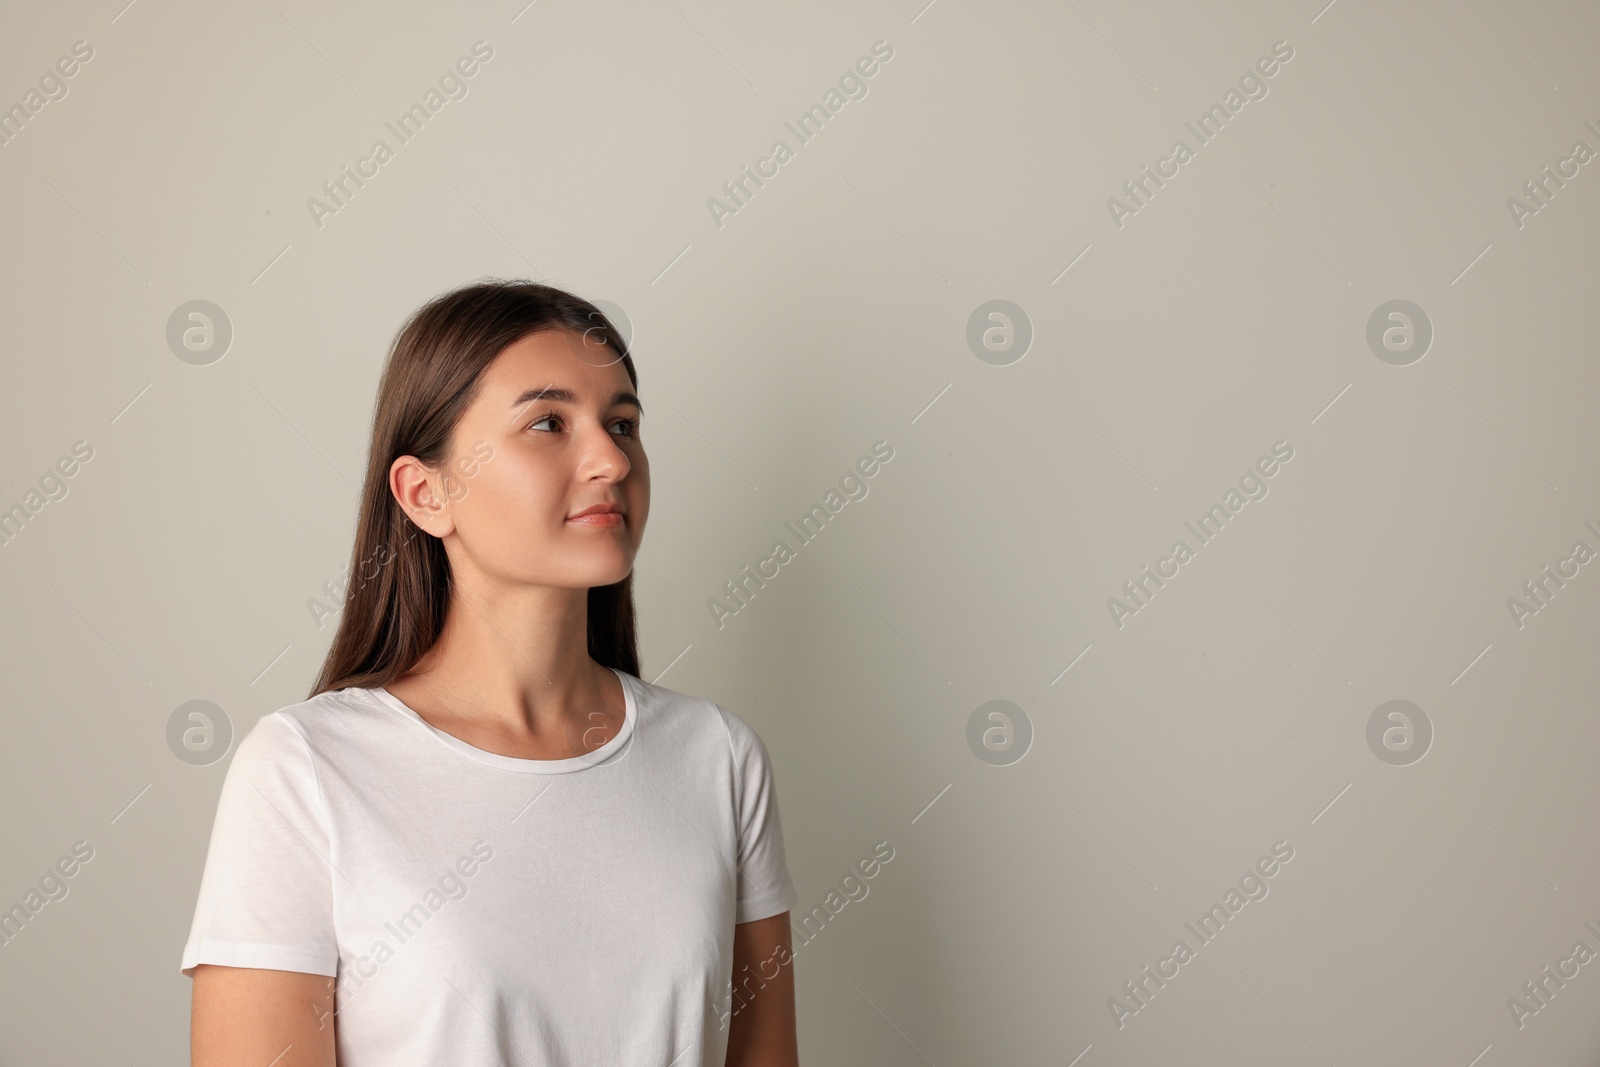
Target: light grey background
[(831, 312)]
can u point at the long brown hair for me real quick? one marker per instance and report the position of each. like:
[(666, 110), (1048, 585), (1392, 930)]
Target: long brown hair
[(399, 574)]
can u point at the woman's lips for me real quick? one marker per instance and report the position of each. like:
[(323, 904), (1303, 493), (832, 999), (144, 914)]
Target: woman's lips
[(599, 518)]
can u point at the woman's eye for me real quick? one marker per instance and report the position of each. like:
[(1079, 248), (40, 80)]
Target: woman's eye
[(631, 425)]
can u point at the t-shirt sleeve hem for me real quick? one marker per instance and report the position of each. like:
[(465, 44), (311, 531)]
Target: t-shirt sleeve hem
[(267, 957), (766, 905)]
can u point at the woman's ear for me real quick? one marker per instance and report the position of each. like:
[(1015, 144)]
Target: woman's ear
[(415, 487)]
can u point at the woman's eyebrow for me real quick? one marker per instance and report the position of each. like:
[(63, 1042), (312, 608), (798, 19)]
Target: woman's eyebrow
[(563, 395)]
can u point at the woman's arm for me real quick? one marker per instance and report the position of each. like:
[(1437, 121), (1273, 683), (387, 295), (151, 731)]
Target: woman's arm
[(245, 1015), (762, 1032)]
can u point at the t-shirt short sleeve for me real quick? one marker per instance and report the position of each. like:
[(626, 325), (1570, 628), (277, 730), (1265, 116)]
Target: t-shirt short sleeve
[(764, 885), (266, 894)]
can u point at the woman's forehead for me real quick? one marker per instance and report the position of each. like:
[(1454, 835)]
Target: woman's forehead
[(553, 368)]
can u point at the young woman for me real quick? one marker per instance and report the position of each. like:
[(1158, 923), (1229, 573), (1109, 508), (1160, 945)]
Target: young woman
[(483, 839)]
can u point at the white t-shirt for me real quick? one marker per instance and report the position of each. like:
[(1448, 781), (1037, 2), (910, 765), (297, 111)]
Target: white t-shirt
[(481, 909)]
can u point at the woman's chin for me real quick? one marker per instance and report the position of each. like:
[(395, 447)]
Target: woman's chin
[(608, 571)]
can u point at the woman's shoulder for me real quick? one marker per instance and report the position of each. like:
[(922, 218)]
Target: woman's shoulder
[(318, 724), (702, 714)]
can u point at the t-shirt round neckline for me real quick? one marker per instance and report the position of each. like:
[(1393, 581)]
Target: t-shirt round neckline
[(517, 763)]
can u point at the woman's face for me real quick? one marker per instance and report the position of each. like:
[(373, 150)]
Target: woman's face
[(554, 430)]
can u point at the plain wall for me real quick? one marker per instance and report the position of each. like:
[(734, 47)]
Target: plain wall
[(1163, 751)]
